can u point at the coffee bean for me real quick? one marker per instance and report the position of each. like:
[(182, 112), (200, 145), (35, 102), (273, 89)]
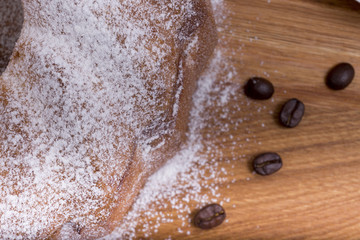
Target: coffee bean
[(292, 113), (259, 88), (340, 76), (210, 216), (267, 163)]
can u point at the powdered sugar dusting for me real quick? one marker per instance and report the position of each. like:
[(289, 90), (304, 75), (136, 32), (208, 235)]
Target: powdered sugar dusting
[(86, 79), (180, 184)]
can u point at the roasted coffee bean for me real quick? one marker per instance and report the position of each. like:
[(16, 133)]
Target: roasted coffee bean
[(210, 216), (267, 163), (340, 76), (292, 113), (259, 88)]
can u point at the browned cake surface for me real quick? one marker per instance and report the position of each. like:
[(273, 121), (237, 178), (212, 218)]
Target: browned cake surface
[(95, 98), (315, 195)]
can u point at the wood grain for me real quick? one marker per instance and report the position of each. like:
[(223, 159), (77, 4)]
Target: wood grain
[(316, 194)]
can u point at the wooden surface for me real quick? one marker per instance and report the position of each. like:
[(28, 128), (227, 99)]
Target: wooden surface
[(316, 195)]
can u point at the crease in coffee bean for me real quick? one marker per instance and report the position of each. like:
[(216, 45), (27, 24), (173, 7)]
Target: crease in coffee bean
[(212, 217), (267, 163), (288, 122), (261, 165), (292, 113)]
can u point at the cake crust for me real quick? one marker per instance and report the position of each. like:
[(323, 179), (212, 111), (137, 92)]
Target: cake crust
[(92, 107)]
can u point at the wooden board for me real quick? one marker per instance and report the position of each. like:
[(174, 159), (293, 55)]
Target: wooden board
[(316, 195)]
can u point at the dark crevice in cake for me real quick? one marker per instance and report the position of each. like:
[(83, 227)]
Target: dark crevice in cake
[(11, 21)]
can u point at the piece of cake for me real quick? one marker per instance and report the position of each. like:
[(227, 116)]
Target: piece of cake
[(95, 98)]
